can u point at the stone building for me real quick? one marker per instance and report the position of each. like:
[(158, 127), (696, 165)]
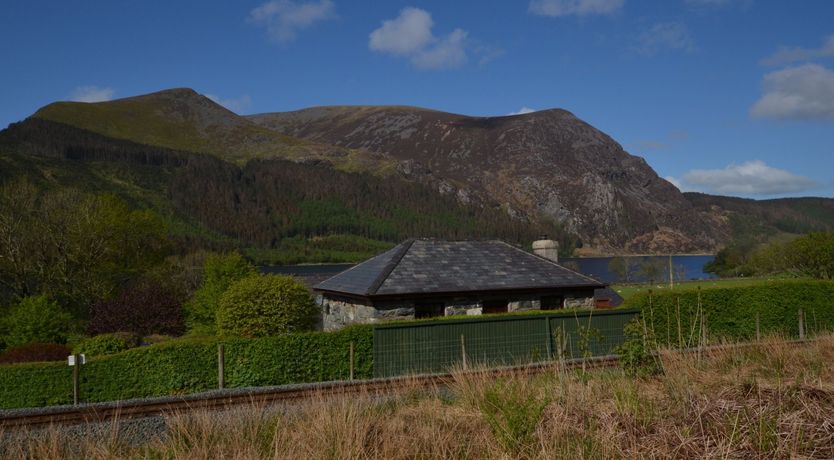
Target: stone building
[(426, 278)]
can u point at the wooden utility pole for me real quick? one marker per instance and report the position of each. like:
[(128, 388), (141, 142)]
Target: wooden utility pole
[(76, 378), (801, 324), (351, 360), (463, 352), (758, 328), (671, 274)]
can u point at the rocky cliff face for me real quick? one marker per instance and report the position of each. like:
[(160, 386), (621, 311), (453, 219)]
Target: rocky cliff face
[(542, 165)]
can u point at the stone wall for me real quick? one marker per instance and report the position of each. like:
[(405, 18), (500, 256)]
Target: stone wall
[(339, 312), (463, 307), (525, 304), (580, 302)]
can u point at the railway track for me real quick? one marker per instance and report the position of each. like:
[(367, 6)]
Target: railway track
[(226, 399)]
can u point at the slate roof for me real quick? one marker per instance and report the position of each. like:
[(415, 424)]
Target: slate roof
[(434, 266), (614, 298)]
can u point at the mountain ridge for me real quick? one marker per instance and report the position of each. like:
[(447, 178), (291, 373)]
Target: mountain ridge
[(545, 164), (544, 167)]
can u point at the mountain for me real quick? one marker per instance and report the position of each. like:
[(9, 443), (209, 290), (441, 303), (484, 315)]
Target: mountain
[(181, 119), (338, 183), (541, 165), (276, 210), (758, 220)]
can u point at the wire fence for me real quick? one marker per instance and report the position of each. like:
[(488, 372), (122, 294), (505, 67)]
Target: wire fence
[(442, 345)]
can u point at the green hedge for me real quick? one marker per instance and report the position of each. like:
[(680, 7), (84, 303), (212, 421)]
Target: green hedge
[(190, 365), (730, 313)]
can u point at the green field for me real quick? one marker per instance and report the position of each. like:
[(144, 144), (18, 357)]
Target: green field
[(628, 290)]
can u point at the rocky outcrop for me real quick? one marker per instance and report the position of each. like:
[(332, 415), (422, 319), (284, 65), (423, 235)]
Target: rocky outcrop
[(543, 165)]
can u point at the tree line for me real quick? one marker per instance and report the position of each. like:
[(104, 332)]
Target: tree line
[(264, 201), (811, 255)]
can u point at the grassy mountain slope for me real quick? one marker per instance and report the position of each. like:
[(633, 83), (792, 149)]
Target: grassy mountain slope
[(181, 119)]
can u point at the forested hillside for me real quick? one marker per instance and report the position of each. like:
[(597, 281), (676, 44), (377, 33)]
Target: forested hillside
[(277, 210)]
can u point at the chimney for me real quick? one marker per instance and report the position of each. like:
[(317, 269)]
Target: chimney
[(548, 249)]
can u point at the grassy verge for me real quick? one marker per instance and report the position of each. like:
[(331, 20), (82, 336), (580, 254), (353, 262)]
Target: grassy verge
[(771, 400)]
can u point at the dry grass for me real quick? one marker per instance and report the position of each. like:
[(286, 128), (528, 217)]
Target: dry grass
[(769, 400)]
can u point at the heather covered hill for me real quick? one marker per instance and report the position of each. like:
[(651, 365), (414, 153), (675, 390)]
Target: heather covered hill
[(542, 165)]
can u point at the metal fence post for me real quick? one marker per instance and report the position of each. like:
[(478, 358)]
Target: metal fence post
[(221, 366)]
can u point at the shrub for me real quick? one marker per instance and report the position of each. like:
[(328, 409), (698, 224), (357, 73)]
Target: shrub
[(637, 357), (36, 319), (35, 352), (264, 305), (142, 310), (219, 272), (107, 344)]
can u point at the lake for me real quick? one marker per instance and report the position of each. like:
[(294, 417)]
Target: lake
[(690, 267)]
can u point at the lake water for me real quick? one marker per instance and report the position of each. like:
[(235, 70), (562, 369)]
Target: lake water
[(684, 267)]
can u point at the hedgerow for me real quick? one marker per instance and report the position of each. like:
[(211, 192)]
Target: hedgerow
[(107, 344), (730, 313), (190, 365)]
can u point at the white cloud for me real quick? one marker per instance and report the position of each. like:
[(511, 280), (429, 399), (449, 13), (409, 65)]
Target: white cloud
[(786, 55), (522, 111), (92, 94), (284, 18), (557, 8), (410, 35), (676, 182), (750, 178), (800, 93), (665, 36), (237, 105)]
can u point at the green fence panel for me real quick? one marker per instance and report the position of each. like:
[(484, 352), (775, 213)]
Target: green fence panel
[(438, 346)]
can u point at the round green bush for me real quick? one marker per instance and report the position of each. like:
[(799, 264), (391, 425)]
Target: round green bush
[(107, 344), (36, 319), (264, 305)]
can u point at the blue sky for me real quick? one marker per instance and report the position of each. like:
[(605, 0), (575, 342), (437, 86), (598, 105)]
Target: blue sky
[(733, 97)]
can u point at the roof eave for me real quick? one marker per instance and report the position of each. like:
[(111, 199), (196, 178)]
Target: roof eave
[(494, 291)]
